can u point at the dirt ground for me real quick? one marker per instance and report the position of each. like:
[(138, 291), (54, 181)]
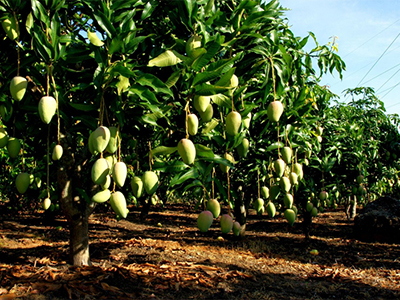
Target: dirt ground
[(166, 257)]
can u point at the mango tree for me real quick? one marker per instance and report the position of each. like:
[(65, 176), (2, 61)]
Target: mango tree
[(102, 94)]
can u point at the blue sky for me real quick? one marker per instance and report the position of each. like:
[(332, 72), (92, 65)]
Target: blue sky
[(365, 29)]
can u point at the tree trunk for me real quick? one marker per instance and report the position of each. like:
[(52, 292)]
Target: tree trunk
[(353, 210), (76, 210), (79, 240), (240, 212)]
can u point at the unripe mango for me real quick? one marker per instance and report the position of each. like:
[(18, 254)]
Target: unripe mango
[(236, 228), (258, 205), (243, 148), (106, 183), (287, 154), (201, 103), (112, 160), (187, 151), (290, 216), (314, 211), (192, 124), (274, 111), (233, 122), (294, 179), (118, 204), (285, 184), (57, 152), (22, 182), (100, 139), (247, 120), (288, 200), (360, 179), (150, 182), (207, 115), (323, 195), (279, 166), (193, 43), (137, 186), (204, 220), (10, 28), (214, 206), (225, 168), (226, 223), (100, 170), (309, 206), (114, 141), (47, 108), (3, 137), (274, 192), (298, 169), (271, 209), (46, 203), (119, 174), (265, 192), (13, 147), (102, 196), (18, 87)]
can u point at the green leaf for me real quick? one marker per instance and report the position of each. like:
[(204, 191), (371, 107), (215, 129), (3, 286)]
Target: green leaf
[(210, 126), (203, 151), (166, 59), (222, 100), (83, 107), (173, 79), (191, 174), (163, 150), (209, 90), (275, 145), (204, 77), (104, 23), (155, 83)]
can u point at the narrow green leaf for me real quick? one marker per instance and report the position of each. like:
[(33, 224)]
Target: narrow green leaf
[(163, 150)]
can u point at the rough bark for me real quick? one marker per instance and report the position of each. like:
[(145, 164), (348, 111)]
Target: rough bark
[(240, 212), (76, 210)]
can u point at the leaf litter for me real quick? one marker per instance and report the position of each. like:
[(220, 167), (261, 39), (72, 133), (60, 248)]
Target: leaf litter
[(135, 259)]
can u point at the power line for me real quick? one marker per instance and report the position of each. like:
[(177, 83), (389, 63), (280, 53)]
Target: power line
[(371, 38), (382, 74), (379, 58), (390, 89), (388, 79)]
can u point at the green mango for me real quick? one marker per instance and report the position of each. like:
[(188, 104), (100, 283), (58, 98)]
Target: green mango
[(18, 87), (101, 196), (274, 111), (214, 206), (22, 182), (114, 141), (150, 182), (47, 108), (100, 139), (204, 220), (233, 121), (192, 124), (119, 174), (137, 186), (57, 152), (13, 147), (187, 151), (290, 216), (226, 223), (100, 170), (118, 204)]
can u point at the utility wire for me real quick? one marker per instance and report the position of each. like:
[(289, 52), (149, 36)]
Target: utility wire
[(382, 74), (379, 58), (372, 38), (388, 80), (391, 89)]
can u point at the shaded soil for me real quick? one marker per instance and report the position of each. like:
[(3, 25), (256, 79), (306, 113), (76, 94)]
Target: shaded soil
[(166, 257)]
